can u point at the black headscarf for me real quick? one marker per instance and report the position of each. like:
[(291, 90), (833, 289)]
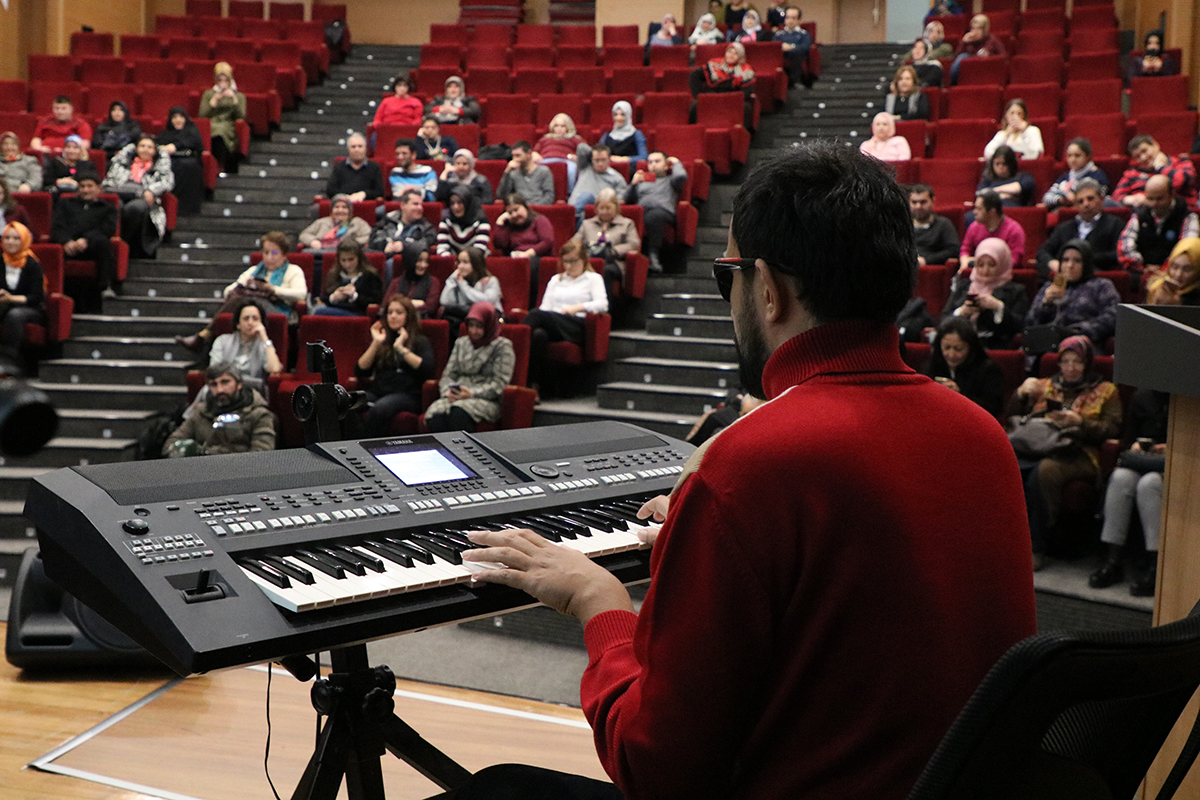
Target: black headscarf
[(111, 136), (187, 140), (410, 282), (472, 213), (1086, 254)]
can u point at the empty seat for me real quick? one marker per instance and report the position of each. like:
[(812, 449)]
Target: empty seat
[(261, 29), (14, 96), (101, 69), (638, 80), (168, 25), (486, 81), (536, 36), (725, 135), (983, 71), (584, 80), (1092, 97), (226, 49), (218, 27), (1042, 99), (1108, 133), (611, 35), (1046, 18), (1092, 40), (1094, 66), (157, 71), (511, 109), (622, 56), (916, 133), (188, 49), (1036, 68), (665, 108), (1096, 16), (571, 56), (577, 35), (441, 33), (286, 11), (503, 133), (1159, 95), (953, 179), (1174, 132), (675, 79), (501, 34), (962, 138), (532, 56), (140, 47), (50, 68), (663, 57), (973, 102), (200, 8), (91, 43), (247, 8), (1032, 220), (487, 55), (537, 82)]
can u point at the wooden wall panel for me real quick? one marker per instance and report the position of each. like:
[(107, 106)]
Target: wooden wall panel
[(116, 16)]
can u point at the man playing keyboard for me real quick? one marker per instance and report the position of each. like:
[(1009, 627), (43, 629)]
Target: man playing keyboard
[(819, 608)]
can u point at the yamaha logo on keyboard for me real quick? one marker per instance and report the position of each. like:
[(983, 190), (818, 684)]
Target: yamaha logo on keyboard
[(393, 442)]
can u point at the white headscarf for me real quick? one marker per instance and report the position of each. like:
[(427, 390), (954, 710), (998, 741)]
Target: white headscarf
[(625, 131)]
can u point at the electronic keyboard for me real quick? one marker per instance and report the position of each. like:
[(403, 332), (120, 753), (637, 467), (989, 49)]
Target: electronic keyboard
[(220, 561)]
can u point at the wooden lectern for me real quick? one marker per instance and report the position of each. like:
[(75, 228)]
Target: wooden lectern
[(1158, 347)]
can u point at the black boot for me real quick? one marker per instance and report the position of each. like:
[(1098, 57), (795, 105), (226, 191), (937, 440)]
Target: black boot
[(1112, 572), (1144, 586)]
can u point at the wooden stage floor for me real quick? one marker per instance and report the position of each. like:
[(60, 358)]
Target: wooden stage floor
[(204, 737)]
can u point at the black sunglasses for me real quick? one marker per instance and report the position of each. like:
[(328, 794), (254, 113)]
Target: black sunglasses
[(723, 269)]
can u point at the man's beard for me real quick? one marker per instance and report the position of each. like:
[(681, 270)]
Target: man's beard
[(220, 403), (752, 351)]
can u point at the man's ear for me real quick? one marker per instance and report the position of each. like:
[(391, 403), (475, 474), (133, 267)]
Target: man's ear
[(772, 293)]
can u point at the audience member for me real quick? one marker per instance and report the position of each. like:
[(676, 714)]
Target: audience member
[(247, 347), (668, 34), (610, 236), (521, 232), (884, 144), (929, 69), (1153, 61), (1176, 284), (1004, 177), (399, 107), (416, 282), (224, 105), (991, 221), (350, 285), (774, 18), (906, 100), (560, 144), (395, 366), (717, 9), (1102, 231), (943, 8), (23, 294), (625, 143), (959, 362), (734, 12), (1086, 410), (20, 172), (461, 174), (407, 173), (181, 140), (118, 130), (481, 364), (935, 38), (656, 189), (989, 299), (140, 175), (570, 295), (470, 283), (12, 211), (978, 41), (1146, 160), (1077, 301), (52, 131), (524, 176), (84, 224), (431, 145), (1155, 227), (796, 44), (706, 31), (595, 173), (405, 224), (59, 174), (751, 30), (1016, 132), (325, 234), (731, 73), (274, 279), (453, 106), (936, 238), (233, 418), (1080, 167), (464, 225), (356, 176)]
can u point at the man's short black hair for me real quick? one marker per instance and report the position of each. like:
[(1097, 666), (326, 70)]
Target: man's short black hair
[(405, 142), (521, 144), (62, 98), (920, 188), (1138, 141), (403, 198), (835, 221), (601, 148), (991, 201)]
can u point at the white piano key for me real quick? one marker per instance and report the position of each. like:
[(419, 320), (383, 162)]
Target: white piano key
[(295, 598)]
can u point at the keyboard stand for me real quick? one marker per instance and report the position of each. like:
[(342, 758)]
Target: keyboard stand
[(357, 701)]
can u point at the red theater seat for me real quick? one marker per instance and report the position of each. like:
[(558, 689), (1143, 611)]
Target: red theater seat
[(983, 71), (584, 80), (973, 102), (1092, 97)]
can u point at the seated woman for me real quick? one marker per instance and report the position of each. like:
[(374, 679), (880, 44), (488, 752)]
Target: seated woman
[(400, 107), (247, 347), (1016, 132), (929, 70), (116, 131), (11, 210), (224, 105), (706, 32), (521, 232), (481, 364), (58, 174), (935, 38), (416, 282), (1087, 410), (181, 140), (559, 145), (978, 41), (351, 285), (625, 142), (959, 362), (609, 236), (570, 296), (453, 106), (667, 34), (470, 283), (464, 225), (1076, 300), (735, 12), (19, 172), (326, 233), (1176, 285), (730, 73), (989, 300), (1004, 177), (884, 144), (1153, 61), (1079, 166), (23, 295), (751, 30), (906, 100), (395, 365), (140, 175), (460, 174)]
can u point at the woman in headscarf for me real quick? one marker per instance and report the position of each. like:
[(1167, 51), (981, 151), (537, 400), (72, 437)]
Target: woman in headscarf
[(929, 70), (977, 41), (706, 32), (989, 299), (1003, 176), (11, 210), (884, 144), (667, 33), (324, 234), (140, 174), (959, 362), (351, 283), (117, 131), (464, 225), (1087, 409), (470, 283), (454, 106), (625, 142), (182, 141), (559, 144), (416, 282), (224, 105), (935, 39), (460, 173), (1176, 284), (21, 173), (1077, 299), (1079, 166), (395, 366), (751, 30), (906, 101), (58, 174), (480, 366), (730, 73), (23, 295)]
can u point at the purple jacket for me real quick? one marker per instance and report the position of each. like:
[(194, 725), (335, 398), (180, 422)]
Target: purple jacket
[(1089, 307)]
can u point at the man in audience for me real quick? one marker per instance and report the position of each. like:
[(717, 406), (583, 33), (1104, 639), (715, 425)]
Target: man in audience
[(355, 177), (431, 145), (656, 189), (1147, 159), (1156, 226), (595, 173), (52, 131), (233, 419), (407, 173), (84, 224), (522, 176), (937, 240), (990, 221), (1102, 231), (796, 44), (407, 224)]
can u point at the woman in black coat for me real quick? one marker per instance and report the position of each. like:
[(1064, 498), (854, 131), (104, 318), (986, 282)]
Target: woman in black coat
[(960, 363), (181, 138), (988, 298), (23, 294)]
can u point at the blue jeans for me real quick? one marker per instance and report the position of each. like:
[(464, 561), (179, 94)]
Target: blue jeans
[(333, 311)]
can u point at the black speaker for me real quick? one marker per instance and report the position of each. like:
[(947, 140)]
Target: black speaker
[(50, 629)]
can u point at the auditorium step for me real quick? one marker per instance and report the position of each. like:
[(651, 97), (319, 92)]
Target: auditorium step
[(135, 374), (135, 306), (688, 304), (173, 287), (675, 372), (110, 423), (567, 412), (125, 326), (691, 325), (147, 348), (686, 400), (113, 396), (625, 344), (63, 451)]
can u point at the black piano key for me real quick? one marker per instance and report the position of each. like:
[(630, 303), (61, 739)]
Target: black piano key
[(391, 554), (350, 563), (292, 571), (580, 528), (366, 559), (453, 540), (327, 565), (632, 506), (618, 511), (438, 547), (459, 536), (618, 522), (568, 527), (585, 518), (266, 572), (539, 528), (412, 549)]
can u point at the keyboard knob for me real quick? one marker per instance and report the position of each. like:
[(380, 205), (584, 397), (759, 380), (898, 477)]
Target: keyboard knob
[(137, 527), (544, 472)]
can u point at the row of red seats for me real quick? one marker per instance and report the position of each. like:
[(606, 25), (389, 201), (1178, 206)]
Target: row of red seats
[(1052, 16), (458, 56), (933, 284), (547, 35), (40, 208), (1035, 68), (483, 81), (310, 36), (321, 12), (1146, 95)]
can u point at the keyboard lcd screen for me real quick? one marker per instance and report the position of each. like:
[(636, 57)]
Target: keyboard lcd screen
[(416, 467)]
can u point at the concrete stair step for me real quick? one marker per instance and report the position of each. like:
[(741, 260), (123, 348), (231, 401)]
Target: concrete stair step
[(173, 287), (628, 344), (320, 123), (712, 233), (102, 423), (710, 305), (115, 396), (63, 451), (270, 195), (695, 284), (250, 180), (134, 374), (675, 372), (145, 348), (202, 308), (160, 327), (681, 400), (694, 325), (225, 264), (566, 412)]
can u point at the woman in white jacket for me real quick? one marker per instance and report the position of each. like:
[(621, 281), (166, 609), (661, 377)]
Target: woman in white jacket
[(570, 296), (1017, 133)]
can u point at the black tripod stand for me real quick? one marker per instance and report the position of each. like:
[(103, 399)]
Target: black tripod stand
[(355, 699)]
